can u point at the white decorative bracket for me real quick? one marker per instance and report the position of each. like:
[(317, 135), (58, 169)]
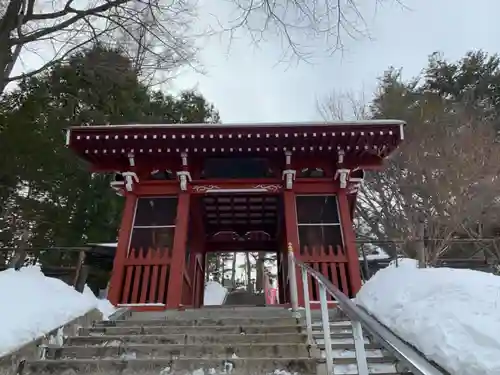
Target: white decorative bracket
[(184, 158), (289, 177), (130, 178), (342, 175), (68, 136), (341, 155), (117, 185), (355, 184), (131, 159), (184, 177)]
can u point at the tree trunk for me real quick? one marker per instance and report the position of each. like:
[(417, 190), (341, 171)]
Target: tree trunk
[(233, 270), (217, 268), (249, 272), (206, 269), (420, 246), (259, 270), (17, 260)]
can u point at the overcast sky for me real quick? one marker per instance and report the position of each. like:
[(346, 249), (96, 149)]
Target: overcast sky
[(246, 85)]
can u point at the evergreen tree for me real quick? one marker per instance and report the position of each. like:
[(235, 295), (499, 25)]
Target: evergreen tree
[(43, 186)]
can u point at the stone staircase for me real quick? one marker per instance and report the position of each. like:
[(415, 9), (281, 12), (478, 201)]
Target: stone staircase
[(240, 341), (218, 340), (244, 298), (379, 361)]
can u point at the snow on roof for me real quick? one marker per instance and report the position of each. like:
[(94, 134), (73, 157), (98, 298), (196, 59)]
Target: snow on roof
[(451, 315), (38, 305), (111, 244), (374, 253), (245, 125)]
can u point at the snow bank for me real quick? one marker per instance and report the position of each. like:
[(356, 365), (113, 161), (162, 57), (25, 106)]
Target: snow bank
[(451, 315), (33, 305), (215, 294)]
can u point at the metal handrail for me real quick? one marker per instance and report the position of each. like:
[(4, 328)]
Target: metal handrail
[(360, 319)]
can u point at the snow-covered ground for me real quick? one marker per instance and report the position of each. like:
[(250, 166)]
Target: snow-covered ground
[(215, 294), (451, 315), (33, 305)]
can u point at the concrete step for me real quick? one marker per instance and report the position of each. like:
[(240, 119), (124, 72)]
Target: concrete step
[(189, 330), (119, 350), (189, 339), (335, 324), (242, 297), (165, 366), (182, 321), (317, 335), (348, 346), (371, 351), (370, 359), (215, 312), (219, 312), (340, 339), (373, 368)]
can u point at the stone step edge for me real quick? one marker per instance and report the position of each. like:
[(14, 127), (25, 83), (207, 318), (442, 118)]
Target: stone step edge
[(216, 319), (165, 360), (143, 345), (349, 346), (219, 318), (193, 335), (332, 327), (296, 326), (168, 361)]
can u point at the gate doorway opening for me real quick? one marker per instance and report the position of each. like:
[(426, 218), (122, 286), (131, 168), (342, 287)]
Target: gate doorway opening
[(245, 276), (243, 237)]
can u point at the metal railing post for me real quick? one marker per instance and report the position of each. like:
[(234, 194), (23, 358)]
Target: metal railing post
[(325, 320), (305, 284), (361, 319), (294, 299), (359, 347)]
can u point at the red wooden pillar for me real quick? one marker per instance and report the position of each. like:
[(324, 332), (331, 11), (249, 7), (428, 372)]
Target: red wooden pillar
[(349, 242), (197, 243), (202, 263), (117, 275), (292, 237), (177, 265)]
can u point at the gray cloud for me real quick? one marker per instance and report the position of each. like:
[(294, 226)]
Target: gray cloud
[(248, 86)]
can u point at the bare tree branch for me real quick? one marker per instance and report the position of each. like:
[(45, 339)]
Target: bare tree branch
[(158, 33), (444, 173), (27, 27)]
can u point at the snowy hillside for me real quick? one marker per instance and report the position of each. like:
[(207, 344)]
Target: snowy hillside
[(451, 315), (33, 305)]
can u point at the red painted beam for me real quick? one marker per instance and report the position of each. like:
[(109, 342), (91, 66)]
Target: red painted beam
[(243, 246)]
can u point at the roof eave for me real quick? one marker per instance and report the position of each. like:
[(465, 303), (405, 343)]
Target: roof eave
[(388, 122)]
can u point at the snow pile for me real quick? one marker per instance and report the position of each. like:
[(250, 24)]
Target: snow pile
[(104, 306), (450, 315), (33, 305), (215, 294)]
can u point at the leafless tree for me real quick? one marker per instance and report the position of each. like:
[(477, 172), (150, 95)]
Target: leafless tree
[(445, 174), (157, 33), (233, 269), (46, 32), (344, 105)]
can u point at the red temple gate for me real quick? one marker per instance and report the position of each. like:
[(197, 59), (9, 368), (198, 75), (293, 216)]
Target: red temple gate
[(193, 189)]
